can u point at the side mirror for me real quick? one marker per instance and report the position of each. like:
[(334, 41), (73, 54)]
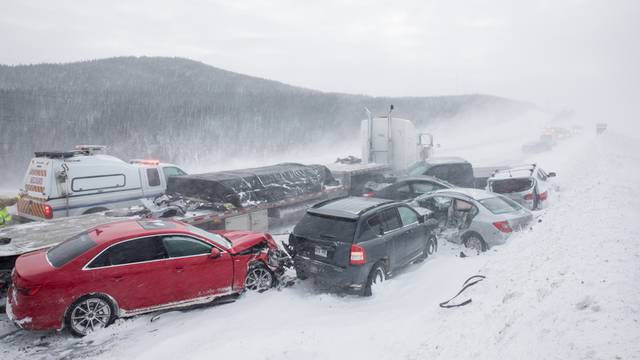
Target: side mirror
[(215, 253), (551, 174)]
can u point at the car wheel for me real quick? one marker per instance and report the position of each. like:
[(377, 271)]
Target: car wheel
[(301, 275), (430, 247), (259, 278), (376, 277), (88, 314), (475, 242)]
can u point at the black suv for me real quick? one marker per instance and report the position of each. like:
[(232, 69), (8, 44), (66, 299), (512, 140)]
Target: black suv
[(355, 242)]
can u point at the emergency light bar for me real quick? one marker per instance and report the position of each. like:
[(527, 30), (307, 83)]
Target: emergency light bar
[(144, 162)]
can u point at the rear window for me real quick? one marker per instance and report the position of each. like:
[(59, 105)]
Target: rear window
[(70, 249), (326, 227), (499, 205), (416, 169), (507, 186)]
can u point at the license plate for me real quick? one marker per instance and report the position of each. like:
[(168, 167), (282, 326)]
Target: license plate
[(320, 251)]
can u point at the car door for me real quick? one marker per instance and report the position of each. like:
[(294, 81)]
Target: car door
[(197, 274), (135, 272), (412, 235), (392, 225)]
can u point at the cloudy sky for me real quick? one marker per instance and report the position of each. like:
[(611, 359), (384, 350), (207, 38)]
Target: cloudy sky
[(556, 53)]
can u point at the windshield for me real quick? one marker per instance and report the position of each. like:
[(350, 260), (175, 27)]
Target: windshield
[(498, 205), (506, 186), (416, 169), (215, 238), (70, 249), (326, 228)]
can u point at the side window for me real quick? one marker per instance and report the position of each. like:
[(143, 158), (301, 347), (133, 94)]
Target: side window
[(404, 189), (153, 176), (390, 219), (440, 171), (407, 216), (372, 228), (178, 246), (424, 187), (170, 171), (131, 251), (542, 175)]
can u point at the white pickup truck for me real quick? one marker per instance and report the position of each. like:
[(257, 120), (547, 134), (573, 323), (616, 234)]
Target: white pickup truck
[(84, 181)]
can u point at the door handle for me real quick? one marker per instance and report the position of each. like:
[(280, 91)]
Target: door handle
[(117, 278), (179, 268)]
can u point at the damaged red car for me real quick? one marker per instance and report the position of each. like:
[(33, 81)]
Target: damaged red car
[(136, 266)]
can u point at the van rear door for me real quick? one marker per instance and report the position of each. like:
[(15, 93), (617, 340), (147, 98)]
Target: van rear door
[(37, 189)]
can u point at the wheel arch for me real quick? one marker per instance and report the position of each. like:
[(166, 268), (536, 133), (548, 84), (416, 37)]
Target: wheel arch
[(116, 308)]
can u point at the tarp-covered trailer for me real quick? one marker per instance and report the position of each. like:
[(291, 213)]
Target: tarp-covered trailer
[(253, 199)]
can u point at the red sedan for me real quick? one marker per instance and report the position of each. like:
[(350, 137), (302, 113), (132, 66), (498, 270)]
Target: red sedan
[(133, 267)]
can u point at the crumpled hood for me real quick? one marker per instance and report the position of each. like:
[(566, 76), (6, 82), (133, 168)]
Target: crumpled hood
[(243, 240)]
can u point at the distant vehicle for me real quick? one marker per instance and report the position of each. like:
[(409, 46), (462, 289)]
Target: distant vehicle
[(454, 170), (527, 185), (600, 128), (409, 188), (478, 219), (354, 243), (546, 142), (83, 181), (133, 267)]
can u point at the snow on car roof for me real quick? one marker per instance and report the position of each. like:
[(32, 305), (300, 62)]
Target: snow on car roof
[(476, 194), (445, 160), (515, 173)]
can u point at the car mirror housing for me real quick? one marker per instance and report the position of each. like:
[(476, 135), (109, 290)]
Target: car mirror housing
[(215, 253)]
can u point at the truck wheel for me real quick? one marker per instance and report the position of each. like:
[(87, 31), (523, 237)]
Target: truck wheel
[(89, 313), (376, 277), (259, 278)]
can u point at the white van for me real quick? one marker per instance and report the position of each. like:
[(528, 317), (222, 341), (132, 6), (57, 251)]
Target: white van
[(84, 181)]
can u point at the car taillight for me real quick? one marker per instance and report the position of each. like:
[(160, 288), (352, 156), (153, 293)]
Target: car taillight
[(357, 255), (503, 226), (528, 196), (30, 291), (543, 196), (368, 194), (48, 211)]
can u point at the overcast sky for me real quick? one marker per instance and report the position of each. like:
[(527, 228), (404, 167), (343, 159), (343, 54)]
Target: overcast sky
[(556, 53)]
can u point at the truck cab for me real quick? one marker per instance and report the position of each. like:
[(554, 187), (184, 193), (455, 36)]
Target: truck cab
[(85, 181)]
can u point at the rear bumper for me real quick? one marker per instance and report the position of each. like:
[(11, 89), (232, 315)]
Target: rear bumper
[(331, 277), (31, 314)]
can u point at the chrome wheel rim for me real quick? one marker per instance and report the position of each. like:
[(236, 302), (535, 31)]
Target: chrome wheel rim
[(90, 315), (258, 279), (474, 243)]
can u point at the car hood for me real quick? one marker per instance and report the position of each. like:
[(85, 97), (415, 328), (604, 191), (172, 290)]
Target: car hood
[(243, 240)]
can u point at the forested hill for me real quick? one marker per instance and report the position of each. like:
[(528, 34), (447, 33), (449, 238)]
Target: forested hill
[(184, 111)]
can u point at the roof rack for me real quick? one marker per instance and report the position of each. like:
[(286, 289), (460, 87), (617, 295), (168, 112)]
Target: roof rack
[(325, 202), (374, 206)]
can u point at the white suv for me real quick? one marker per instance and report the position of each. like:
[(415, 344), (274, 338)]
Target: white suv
[(528, 185)]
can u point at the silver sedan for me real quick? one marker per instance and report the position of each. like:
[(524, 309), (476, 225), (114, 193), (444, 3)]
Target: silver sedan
[(476, 218)]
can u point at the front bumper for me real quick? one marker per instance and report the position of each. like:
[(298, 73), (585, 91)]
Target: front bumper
[(331, 277)]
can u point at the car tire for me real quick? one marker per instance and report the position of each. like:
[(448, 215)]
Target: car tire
[(475, 242), (430, 247), (88, 314), (301, 275), (377, 275), (259, 278)]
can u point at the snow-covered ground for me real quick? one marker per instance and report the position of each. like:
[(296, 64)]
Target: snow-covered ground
[(567, 289)]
